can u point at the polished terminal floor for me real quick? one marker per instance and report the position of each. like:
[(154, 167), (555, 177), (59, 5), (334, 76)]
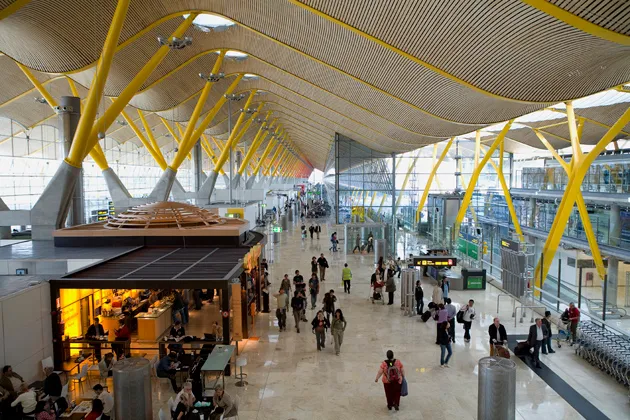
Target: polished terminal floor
[(289, 379)]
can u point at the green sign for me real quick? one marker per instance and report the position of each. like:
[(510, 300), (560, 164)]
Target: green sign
[(474, 282), (276, 229), (468, 248)]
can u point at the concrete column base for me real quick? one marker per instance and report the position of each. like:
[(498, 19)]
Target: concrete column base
[(178, 191), (207, 188), (162, 189), (51, 210), (117, 190), (236, 180), (226, 179), (250, 182)]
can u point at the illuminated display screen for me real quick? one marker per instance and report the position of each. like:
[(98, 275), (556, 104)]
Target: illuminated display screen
[(435, 261)]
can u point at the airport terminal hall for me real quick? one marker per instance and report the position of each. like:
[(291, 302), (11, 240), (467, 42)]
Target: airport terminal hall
[(314, 209)]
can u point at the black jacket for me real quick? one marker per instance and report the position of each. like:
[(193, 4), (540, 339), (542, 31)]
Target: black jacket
[(531, 338), (322, 262), (315, 322), (492, 332), (314, 267), (419, 293), (443, 337), (52, 385), (92, 332), (547, 324)]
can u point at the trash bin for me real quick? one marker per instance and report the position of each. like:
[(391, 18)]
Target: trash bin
[(496, 389), (132, 389)]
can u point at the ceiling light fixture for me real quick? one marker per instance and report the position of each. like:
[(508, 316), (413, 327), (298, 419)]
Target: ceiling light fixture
[(212, 77), (41, 100), (175, 43)]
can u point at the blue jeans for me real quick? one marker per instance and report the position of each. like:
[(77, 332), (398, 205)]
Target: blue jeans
[(444, 348), (313, 301)]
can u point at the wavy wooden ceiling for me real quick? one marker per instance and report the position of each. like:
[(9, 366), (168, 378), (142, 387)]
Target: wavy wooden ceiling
[(392, 74)]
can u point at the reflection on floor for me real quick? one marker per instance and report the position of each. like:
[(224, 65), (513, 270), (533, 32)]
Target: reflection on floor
[(289, 379)]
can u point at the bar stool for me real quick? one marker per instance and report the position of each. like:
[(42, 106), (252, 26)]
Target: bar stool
[(240, 362)]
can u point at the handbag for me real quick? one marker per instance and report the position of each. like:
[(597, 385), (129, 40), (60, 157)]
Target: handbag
[(403, 388)]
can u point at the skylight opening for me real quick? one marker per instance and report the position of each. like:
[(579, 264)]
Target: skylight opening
[(207, 22)]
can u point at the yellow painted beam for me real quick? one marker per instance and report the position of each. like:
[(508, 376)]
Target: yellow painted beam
[(12, 8), (427, 187), (147, 145), (147, 129), (578, 22), (571, 193), (405, 181), (475, 177), (73, 87), (40, 88)]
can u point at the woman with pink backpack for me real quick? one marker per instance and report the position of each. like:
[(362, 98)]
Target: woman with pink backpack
[(393, 374)]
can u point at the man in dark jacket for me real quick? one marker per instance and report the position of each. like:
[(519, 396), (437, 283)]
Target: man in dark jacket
[(419, 294), (323, 265), (497, 334), (537, 334), (95, 330)]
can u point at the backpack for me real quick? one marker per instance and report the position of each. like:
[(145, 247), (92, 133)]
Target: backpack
[(460, 316), (297, 303), (393, 373)]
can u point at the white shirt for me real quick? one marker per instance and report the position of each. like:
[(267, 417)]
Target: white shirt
[(108, 402), (539, 333), (468, 312), (28, 400)]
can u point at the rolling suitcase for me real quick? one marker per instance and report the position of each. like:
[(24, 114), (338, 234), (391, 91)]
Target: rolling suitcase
[(425, 316), (522, 349)]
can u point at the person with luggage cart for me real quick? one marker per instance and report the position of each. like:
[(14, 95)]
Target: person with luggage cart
[(377, 284), (498, 338), (574, 317), (546, 348)]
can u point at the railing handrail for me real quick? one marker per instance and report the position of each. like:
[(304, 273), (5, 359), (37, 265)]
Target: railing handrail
[(526, 307)]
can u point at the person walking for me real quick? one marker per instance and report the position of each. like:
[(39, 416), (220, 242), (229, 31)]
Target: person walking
[(441, 317), (320, 325), (399, 266), (329, 303), (392, 373), (346, 277), (537, 334), (546, 348), (469, 315), (313, 286), (498, 335), (337, 328), (333, 242), (445, 287), (281, 311), (318, 230), (314, 265), (574, 317), (370, 242), (390, 286), (311, 230), (357, 244), (452, 313), (444, 340), (286, 286), (437, 295), (297, 304), (419, 295), (323, 265)]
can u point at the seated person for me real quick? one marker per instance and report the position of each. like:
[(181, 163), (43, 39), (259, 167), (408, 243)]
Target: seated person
[(105, 365), (10, 381), (167, 369), (184, 406), (107, 399), (122, 333), (185, 395), (177, 332), (223, 404), (27, 399), (52, 384), (94, 331), (44, 411), (97, 410)]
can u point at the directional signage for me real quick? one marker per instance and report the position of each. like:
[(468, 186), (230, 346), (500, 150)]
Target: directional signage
[(435, 261)]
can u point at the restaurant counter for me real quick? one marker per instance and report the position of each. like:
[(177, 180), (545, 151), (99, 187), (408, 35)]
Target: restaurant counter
[(152, 325)]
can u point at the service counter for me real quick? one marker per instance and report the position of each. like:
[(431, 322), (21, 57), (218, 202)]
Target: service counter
[(151, 325)]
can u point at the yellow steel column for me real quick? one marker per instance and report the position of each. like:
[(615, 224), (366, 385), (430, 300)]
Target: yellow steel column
[(477, 146), (273, 159), (73, 87), (475, 177), (279, 162), (40, 88), (87, 138), (381, 206), (81, 144), (573, 189), (404, 184), (508, 196), (266, 151), (258, 140), (188, 141), (586, 221), (158, 157), (372, 200), (464, 186), (150, 135), (211, 153), (226, 150), (425, 193)]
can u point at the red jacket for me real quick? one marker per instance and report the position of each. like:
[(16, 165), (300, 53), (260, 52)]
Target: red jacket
[(574, 313)]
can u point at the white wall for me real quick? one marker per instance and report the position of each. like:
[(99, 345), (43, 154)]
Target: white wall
[(26, 331)]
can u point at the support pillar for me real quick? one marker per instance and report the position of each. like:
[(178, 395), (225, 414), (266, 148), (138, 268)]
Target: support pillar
[(162, 189), (5, 231), (60, 197), (117, 190), (198, 165), (533, 211), (614, 227), (612, 278)]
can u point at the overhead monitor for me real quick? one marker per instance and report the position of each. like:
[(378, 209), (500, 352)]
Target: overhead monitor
[(435, 261)]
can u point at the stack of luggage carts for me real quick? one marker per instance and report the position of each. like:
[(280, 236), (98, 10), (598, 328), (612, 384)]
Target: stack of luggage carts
[(605, 349)]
